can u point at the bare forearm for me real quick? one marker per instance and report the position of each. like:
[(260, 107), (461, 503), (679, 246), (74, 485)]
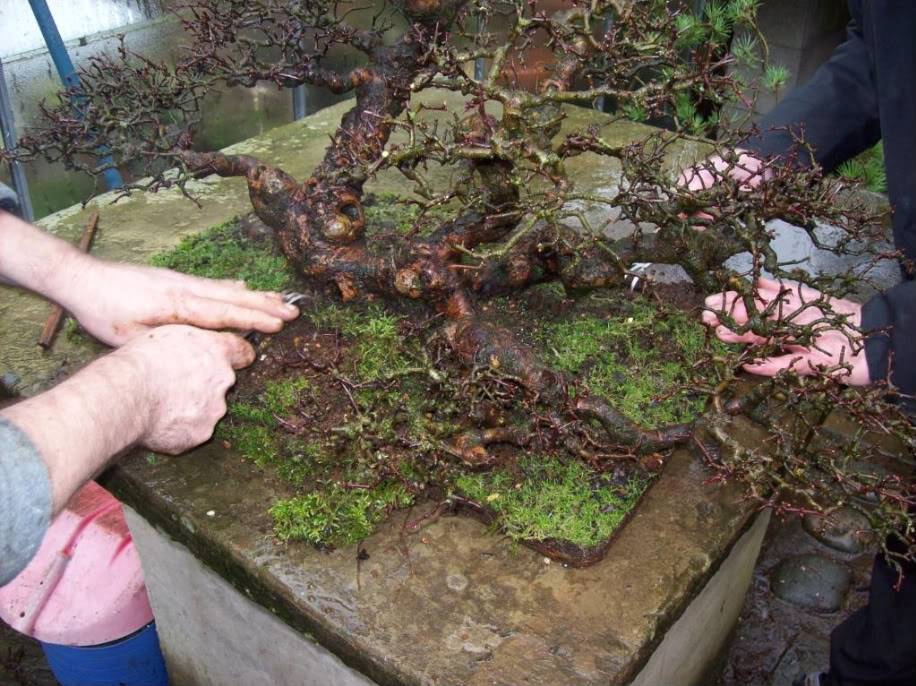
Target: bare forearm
[(79, 425), (36, 260)]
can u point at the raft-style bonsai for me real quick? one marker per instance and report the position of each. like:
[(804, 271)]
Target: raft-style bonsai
[(513, 218)]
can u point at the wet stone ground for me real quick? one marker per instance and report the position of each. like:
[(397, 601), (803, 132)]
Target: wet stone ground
[(802, 588), (22, 663)]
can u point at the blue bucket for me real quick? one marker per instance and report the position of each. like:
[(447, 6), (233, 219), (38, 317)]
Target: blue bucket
[(135, 660)]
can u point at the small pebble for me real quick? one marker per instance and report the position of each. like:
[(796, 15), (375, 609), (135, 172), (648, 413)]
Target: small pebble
[(211, 513), (546, 560)]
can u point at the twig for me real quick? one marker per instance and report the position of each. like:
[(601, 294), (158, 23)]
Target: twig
[(53, 321)]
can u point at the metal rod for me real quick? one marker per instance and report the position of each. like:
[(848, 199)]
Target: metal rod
[(602, 104), (67, 72), (8, 130), (478, 63), (299, 102)]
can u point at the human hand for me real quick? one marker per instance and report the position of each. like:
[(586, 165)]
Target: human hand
[(183, 374), (114, 302), (747, 170), (837, 348)]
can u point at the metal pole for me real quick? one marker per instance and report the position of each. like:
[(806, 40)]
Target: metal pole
[(299, 102), (20, 185), (67, 72), (602, 105), (478, 63)]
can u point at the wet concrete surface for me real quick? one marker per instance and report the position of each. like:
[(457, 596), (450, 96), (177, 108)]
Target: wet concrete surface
[(774, 641)]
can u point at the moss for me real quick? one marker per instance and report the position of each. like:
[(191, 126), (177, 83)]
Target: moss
[(281, 396), (378, 351), (277, 399), (254, 433), (253, 441), (639, 359), (223, 252), (328, 514), (337, 516), (331, 315), (301, 461), (553, 499)]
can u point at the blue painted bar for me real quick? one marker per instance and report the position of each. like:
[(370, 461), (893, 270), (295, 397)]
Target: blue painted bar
[(67, 71)]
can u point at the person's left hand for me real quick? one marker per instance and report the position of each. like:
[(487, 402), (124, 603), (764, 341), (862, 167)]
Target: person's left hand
[(832, 348), (114, 302)]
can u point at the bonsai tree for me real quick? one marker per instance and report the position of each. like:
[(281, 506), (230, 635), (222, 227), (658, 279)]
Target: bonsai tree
[(514, 217)]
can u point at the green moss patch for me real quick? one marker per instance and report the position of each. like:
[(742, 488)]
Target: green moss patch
[(547, 498), (640, 358), (224, 252), (337, 516), (334, 456)]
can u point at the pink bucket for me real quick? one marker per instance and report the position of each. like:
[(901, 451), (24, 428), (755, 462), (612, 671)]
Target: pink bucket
[(85, 586)]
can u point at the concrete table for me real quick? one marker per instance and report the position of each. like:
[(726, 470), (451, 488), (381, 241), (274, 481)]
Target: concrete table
[(451, 604)]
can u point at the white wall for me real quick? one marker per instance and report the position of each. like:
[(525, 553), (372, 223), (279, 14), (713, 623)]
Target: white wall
[(75, 18)]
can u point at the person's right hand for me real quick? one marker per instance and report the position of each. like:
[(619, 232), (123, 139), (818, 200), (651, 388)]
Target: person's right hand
[(115, 302), (183, 373)]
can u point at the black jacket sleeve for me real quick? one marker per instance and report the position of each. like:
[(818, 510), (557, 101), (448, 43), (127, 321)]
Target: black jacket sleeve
[(891, 345), (835, 112)]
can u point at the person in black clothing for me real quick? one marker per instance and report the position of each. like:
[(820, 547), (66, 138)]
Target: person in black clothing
[(863, 94)]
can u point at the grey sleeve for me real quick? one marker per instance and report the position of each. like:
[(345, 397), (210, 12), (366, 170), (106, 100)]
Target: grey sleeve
[(25, 501), (8, 199)]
